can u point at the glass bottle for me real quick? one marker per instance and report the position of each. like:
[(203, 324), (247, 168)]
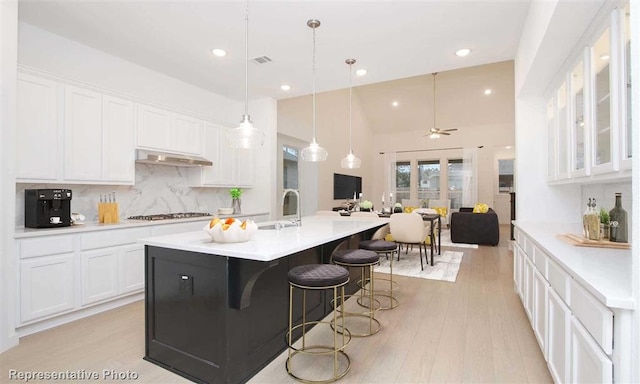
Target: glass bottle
[(585, 220), (618, 222), (593, 221)]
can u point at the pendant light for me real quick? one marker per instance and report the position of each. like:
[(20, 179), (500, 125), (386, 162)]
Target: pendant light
[(350, 161), (246, 135), (314, 152)]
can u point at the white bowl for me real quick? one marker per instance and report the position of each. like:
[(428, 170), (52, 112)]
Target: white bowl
[(225, 211), (233, 234)]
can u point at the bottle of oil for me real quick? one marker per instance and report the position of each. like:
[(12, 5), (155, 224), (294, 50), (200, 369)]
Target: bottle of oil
[(618, 222)]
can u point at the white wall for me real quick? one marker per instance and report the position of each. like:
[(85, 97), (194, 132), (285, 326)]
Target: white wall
[(8, 267)]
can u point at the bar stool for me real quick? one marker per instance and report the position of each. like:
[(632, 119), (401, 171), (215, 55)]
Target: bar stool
[(318, 277), (363, 259), (380, 246)]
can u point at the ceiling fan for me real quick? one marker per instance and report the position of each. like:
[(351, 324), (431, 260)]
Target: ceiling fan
[(434, 133)]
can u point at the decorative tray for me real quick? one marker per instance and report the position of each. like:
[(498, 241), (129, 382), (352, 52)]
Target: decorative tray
[(581, 241)]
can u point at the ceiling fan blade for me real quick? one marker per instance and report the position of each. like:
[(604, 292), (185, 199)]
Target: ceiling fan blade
[(450, 130), (444, 133)]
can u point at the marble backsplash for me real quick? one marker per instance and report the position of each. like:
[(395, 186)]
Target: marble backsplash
[(157, 189)]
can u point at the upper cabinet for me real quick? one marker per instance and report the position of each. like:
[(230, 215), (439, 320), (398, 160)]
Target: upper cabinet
[(162, 130), (38, 133), (588, 122), (72, 134), (231, 167)]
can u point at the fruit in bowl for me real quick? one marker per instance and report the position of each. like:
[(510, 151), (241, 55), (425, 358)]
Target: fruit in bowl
[(230, 230)]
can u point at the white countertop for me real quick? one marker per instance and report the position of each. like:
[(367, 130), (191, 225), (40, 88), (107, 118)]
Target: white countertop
[(23, 232), (605, 272), (269, 244)]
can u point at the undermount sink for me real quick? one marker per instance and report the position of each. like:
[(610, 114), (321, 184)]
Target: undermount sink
[(280, 225)]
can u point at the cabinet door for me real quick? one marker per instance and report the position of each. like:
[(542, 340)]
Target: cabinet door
[(540, 300), (37, 133), (528, 288), (82, 134), (244, 167), (154, 128), (187, 135), (589, 364), (46, 286), (227, 159), (131, 268), (579, 122), (558, 348), (208, 176), (517, 270), (118, 149), (552, 134), (99, 275), (625, 80), (563, 147)]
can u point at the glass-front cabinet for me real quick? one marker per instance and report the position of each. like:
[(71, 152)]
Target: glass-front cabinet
[(588, 106)]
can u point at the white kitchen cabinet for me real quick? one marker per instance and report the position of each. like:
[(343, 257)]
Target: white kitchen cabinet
[(589, 364), (118, 140), (518, 269), (38, 129), (166, 131), (562, 137), (46, 286), (578, 121), (540, 304), (558, 338), (528, 288), (99, 271), (552, 147), (232, 167), (187, 134), (131, 268), (82, 134)]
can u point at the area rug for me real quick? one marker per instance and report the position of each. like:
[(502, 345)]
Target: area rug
[(446, 241), (445, 266)]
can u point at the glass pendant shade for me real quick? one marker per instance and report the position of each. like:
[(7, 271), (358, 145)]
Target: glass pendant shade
[(314, 152), (351, 161), (434, 136), (246, 136)]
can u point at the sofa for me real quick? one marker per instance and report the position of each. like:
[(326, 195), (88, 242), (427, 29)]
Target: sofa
[(475, 228)]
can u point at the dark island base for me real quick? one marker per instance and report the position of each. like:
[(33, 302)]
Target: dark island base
[(217, 319)]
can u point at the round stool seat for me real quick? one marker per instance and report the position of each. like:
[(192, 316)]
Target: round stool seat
[(378, 245), (355, 256), (318, 275)]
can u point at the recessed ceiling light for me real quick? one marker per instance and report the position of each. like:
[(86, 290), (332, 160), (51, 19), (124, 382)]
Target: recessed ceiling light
[(285, 87), (508, 147), (463, 52), (487, 91), (219, 52), (395, 103), (604, 57), (361, 72)]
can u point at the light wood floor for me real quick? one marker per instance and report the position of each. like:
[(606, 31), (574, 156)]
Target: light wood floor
[(474, 330)]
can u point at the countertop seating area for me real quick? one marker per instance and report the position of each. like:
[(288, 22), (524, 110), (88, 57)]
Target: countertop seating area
[(475, 228)]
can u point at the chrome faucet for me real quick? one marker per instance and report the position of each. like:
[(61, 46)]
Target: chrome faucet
[(298, 220)]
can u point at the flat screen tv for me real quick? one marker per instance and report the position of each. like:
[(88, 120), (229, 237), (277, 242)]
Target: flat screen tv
[(344, 186)]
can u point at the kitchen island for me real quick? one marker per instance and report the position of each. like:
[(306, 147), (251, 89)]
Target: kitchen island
[(218, 313)]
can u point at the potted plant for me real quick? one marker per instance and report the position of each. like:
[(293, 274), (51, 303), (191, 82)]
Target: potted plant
[(366, 206), (604, 223), (235, 199)]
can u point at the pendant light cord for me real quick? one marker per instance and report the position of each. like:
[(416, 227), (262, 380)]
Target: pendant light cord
[(350, 97), (246, 57), (434, 99), (313, 83)]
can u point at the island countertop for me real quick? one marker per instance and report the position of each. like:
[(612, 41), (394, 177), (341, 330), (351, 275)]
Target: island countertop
[(269, 244)]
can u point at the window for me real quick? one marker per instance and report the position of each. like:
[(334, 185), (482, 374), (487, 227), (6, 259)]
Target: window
[(505, 176), (455, 182), (428, 179), (403, 180), (289, 178)]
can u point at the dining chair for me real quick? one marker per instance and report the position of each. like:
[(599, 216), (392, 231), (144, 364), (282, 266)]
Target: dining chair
[(409, 229), (442, 204)]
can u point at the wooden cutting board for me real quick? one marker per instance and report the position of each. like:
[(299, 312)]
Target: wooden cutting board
[(581, 241)]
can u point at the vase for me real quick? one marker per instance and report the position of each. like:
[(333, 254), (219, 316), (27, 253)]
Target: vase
[(604, 231), (235, 204), (618, 222)]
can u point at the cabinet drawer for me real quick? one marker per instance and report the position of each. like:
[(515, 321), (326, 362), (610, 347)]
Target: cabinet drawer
[(111, 238), (45, 246), (559, 280), (540, 259), (595, 316), (169, 229)]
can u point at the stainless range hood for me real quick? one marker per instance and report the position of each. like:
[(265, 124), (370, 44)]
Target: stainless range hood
[(172, 159)]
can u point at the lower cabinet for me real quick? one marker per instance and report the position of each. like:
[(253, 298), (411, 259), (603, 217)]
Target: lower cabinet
[(99, 275), (46, 286), (540, 304), (558, 340), (589, 364), (131, 266), (528, 288)]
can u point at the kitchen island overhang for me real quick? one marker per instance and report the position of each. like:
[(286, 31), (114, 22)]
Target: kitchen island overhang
[(217, 313)]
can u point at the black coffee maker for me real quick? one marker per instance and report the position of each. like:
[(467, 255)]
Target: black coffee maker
[(47, 208)]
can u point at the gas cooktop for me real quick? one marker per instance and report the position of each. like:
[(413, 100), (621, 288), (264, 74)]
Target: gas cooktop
[(167, 216)]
